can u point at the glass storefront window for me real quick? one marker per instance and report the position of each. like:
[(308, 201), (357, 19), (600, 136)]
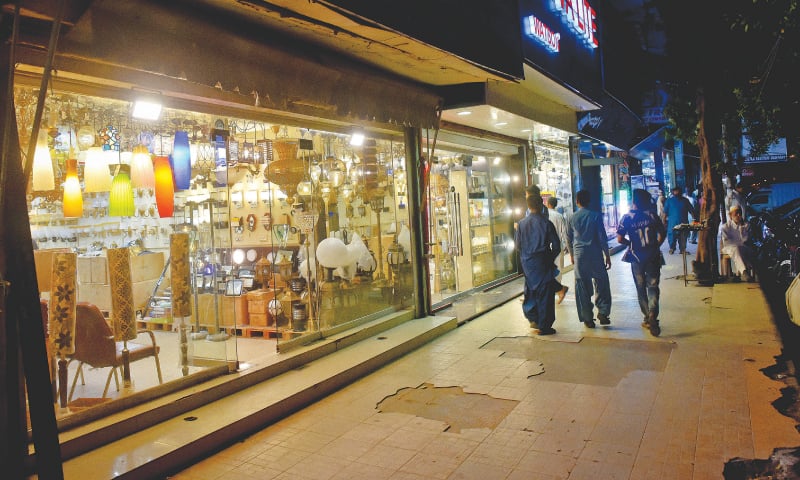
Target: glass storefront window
[(279, 234), (552, 172), (471, 223)]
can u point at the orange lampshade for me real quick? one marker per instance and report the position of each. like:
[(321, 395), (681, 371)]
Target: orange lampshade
[(142, 174), (73, 197), (120, 202), (165, 188)]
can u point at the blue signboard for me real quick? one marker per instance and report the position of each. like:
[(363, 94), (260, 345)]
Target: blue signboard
[(561, 38)]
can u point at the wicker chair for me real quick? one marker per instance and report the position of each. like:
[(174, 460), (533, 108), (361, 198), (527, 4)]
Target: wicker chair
[(95, 346)]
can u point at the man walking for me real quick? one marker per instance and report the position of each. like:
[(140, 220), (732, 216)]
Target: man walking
[(561, 290), (588, 247), (561, 228), (643, 232), (538, 245), (676, 209)]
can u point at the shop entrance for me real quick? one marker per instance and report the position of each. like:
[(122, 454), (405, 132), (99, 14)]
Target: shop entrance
[(471, 226)]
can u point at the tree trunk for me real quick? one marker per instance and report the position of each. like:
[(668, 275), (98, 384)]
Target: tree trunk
[(706, 262)]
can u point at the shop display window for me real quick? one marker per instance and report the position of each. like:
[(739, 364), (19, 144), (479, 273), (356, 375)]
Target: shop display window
[(240, 234)]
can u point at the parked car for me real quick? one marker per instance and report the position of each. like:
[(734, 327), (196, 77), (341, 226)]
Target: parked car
[(772, 196)]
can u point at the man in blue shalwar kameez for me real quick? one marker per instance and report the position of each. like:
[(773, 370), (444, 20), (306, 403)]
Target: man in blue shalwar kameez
[(538, 245), (587, 242)]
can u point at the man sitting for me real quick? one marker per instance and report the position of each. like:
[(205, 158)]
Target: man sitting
[(734, 237)]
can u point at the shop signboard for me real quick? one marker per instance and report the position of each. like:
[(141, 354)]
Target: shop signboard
[(561, 38), (776, 152), (612, 123)]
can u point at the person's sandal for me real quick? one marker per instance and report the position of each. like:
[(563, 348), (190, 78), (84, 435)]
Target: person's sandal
[(561, 294)]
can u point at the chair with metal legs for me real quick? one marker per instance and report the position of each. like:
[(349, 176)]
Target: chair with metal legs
[(95, 346)]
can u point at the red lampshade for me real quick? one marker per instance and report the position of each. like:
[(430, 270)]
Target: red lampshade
[(165, 188)]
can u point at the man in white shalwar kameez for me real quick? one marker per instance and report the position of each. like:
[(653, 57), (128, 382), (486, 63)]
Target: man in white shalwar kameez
[(734, 236)]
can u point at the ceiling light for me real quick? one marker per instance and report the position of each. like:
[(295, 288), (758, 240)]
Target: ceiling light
[(146, 109), (357, 138), (464, 113)]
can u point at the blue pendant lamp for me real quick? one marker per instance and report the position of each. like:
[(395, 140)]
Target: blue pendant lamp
[(181, 161)]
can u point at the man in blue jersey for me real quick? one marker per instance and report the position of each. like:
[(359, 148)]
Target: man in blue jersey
[(643, 232), (538, 245)]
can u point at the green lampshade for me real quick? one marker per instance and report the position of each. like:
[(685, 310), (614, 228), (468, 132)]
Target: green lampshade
[(120, 203)]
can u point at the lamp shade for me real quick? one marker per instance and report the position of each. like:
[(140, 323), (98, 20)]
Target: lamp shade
[(43, 176), (142, 174), (62, 305), (73, 197), (119, 279), (332, 253), (182, 161), (96, 176), (120, 203), (165, 190)]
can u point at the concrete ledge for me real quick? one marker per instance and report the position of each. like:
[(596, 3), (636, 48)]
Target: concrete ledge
[(190, 433)]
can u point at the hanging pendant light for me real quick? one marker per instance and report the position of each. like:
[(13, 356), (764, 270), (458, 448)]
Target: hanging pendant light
[(142, 175), (182, 161), (120, 203), (96, 177), (43, 177), (73, 198), (165, 188)]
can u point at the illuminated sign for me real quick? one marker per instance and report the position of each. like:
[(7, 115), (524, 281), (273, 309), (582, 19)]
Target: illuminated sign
[(579, 16), (541, 32)]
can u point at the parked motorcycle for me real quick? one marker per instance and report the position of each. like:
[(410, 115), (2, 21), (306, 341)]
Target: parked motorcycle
[(776, 237)]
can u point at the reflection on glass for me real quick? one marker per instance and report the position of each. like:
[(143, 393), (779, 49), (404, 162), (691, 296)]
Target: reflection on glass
[(281, 233)]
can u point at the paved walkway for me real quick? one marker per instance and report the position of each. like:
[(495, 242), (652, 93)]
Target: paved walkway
[(607, 403)]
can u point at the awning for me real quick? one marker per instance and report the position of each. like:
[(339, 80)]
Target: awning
[(652, 142), (159, 46)]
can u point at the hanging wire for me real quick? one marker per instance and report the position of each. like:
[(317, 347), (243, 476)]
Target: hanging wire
[(769, 63)]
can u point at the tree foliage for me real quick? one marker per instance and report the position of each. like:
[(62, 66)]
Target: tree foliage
[(732, 71)]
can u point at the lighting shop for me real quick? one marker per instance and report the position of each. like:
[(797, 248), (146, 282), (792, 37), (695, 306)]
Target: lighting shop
[(202, 229)]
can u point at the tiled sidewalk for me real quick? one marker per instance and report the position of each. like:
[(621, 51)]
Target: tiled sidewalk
[(608, 403)]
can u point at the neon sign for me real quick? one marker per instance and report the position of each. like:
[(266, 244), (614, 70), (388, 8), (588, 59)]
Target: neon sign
[(541, 32), (579, 16)]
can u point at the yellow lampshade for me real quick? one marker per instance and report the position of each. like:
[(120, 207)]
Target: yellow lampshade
[(73, 198), (95, 173), (120, 203), (142, 174), (43, 176)]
